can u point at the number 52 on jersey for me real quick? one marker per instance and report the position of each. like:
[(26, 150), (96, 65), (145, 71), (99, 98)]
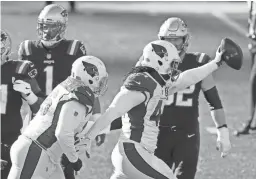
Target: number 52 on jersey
[(180, 100)]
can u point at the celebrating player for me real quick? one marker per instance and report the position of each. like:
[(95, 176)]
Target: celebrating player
[(140, 101), (62, 116), (15, 74), (53, 55), (179, 125)]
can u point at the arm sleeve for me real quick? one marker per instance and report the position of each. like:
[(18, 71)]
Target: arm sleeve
[(192, 76), (72, 113), (213, 98)]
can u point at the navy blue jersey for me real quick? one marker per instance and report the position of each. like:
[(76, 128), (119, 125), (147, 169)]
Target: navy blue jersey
[(11, 100), (181, 109), (54, 64)]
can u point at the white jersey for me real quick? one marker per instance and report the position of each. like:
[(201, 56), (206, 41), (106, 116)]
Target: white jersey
[(43, 127)]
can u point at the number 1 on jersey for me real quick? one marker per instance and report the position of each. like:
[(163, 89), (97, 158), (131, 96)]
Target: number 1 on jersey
[(49, 79)]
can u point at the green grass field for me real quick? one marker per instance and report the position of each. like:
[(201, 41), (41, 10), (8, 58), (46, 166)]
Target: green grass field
[(118, 39)]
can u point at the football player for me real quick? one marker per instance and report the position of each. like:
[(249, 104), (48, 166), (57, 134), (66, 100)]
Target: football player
[(140, 102), (179, 125), (62, 116), (53, 55), (13, 72), (250, 124)]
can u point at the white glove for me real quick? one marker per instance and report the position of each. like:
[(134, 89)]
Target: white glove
[(3, 164), (25, 89), (22, 87), (223, 142), (218, 58), (83, 145)]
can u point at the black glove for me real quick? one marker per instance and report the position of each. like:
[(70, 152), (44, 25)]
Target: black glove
[(77, 165)]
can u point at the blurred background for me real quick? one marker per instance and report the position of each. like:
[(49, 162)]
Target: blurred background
[(116, 32)]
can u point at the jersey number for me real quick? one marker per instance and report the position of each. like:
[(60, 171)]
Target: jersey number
[(4, 91), (157, 112), (49, 79), (180, 101)]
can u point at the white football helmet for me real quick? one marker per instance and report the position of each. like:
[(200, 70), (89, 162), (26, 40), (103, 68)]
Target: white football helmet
[(6, 46), (52, 23), (92, 72), (162, 56), (174, 28)]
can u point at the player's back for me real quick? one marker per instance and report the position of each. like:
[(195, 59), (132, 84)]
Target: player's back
[(42, 128), (53, 64), (11, 100), (181, 108), (140, 124)]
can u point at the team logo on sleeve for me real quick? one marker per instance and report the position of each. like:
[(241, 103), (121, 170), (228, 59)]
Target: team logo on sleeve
[(159, 50), (32, 73), (91, 69), (82, 48)]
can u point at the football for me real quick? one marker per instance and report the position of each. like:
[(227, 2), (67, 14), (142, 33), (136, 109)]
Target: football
[(233, 54)]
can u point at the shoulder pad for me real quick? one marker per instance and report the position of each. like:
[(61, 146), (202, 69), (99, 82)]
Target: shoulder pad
[(25, 48), (203, 58), (140, 82), (85, 96), (25, 67), (75, 46)]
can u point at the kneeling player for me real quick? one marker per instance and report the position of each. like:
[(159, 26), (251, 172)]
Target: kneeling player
[(37, 152), (140, 101)]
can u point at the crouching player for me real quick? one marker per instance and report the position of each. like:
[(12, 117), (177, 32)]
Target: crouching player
[(140, 101), (63, 114)]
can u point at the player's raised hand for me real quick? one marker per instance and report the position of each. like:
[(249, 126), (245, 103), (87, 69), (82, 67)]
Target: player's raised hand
[(230, 53), (223, 142)]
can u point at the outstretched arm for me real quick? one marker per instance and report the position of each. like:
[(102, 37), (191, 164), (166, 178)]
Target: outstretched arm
[(122, 103), (195, 75)]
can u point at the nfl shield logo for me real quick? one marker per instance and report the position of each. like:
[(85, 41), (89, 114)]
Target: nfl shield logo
[(48, 56)]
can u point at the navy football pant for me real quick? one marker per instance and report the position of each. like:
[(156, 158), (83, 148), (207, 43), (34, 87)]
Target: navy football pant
[(179, 150)]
